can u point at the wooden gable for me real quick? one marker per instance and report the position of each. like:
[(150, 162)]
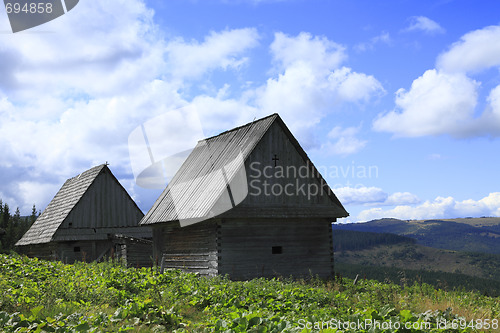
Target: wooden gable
[(105, 206), (87, 207), (283, 182), (209, 183)]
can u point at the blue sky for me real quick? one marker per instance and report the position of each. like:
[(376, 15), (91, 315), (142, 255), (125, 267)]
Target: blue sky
[(409, 90)]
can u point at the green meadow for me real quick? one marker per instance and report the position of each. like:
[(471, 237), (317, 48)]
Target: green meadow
[(41, 296)]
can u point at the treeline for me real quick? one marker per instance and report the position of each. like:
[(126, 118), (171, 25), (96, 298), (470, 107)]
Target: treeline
[(13, 226), (348, 240), (440, 280)]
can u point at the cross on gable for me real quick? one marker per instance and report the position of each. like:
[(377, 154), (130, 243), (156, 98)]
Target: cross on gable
[(275, 159)]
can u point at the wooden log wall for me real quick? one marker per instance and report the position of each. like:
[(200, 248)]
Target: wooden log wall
[(250, 248), (192, 248)]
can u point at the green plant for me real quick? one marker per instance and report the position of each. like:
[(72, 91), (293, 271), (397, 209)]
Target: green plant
[(41, 296)]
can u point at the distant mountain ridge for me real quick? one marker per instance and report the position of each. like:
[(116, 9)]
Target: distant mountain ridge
[(370, 251), (465, 234), (391, 257)]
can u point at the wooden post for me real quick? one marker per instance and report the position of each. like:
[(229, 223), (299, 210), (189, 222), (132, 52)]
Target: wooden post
[(162, 266)]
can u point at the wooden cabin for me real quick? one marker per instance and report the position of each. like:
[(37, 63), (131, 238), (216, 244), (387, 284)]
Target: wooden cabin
[(92, 217), (247, 203)]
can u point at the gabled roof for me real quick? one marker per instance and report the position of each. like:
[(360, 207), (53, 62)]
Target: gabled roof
[(199, 183), (46, 225)]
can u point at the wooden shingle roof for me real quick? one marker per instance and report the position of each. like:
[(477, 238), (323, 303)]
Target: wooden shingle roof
[(213, 164), (72, 191)]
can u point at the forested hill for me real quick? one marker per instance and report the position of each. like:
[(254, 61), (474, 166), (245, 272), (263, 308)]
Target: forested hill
[(390, 257), (13, 226), (348, 240), (470, 234)]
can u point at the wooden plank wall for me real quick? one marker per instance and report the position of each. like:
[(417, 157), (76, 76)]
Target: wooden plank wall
[(79, 234), (135, 254), (104, 205), (245, 248), (192, 248), (88, 250), (289, 173), (139, 255), (41, 251)]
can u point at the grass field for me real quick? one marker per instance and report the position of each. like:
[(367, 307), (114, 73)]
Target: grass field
[(39, 296)]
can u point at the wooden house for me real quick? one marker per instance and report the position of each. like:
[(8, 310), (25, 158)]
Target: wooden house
[(247, 203), (91, 217)]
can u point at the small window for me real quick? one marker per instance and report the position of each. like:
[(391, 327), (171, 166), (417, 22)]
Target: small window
[(277, 249), (76, 249), (70, 224)]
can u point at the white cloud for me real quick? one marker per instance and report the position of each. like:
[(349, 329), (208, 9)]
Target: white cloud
[(438, 208), (425, 24), (344, 141), (476, 51), (352, 86), (218, 113), (443, 100), (369, 196), (383, 38), (494, 100), (319, 53), (437, 103), (298, 89), (402, 198), (34, 192), (360, 195), (114, 51), (492, 115), (10, 201), (84, 130), (435, 156), (310, 83), (218, 50), (489, 121)]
